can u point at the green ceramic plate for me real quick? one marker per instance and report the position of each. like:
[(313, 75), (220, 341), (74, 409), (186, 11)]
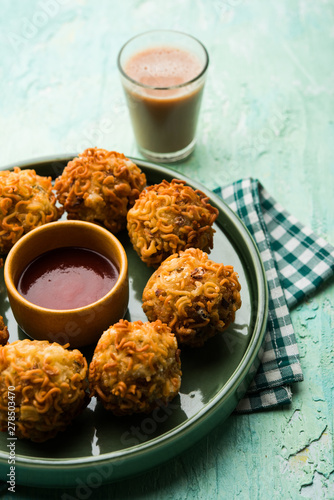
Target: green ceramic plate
[(99, 447)]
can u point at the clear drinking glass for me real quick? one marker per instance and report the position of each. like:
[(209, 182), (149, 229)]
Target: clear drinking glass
[(163, 75)]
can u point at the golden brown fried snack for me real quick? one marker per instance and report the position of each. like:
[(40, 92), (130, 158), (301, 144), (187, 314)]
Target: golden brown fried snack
[(135, 366), (26, 202), (4, 335), (193, 295), (100, 186), (45, 382), (170, 217)]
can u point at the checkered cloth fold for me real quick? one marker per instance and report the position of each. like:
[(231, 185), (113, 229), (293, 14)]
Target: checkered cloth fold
[(296, 263)]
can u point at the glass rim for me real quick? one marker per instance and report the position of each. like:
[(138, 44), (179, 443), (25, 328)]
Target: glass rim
[(152, 87)]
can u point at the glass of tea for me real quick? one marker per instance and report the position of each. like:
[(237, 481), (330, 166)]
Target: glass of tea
[(163, 75)]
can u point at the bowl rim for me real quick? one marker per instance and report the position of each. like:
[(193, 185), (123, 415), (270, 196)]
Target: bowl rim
[(9, 261)]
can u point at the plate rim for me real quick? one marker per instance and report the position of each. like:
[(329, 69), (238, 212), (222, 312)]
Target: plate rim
[(248, 360)]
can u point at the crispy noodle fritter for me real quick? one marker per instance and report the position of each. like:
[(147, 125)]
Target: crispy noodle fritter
[(135, 366), (100, 186), (26, 202), (170, 217), (49, 383), (193, 295), (4, 335)]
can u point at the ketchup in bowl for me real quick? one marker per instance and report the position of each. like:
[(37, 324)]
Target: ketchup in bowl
[(67, 278)]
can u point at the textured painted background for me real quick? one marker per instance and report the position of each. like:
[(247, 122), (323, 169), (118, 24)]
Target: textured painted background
[(267, 113)]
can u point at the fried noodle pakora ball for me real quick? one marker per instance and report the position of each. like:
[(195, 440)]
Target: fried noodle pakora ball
[(135, 366), (4, 335), (49, 383), (27, 201), (100, 186), (193, 295), (170, 217)]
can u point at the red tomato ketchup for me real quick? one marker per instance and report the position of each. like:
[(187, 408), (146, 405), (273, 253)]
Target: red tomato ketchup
[(67, 278)]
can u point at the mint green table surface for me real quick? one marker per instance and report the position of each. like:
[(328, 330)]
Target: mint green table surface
[(267, 113)]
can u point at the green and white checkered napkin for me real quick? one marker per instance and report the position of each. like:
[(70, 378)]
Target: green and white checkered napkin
[(296, 263)]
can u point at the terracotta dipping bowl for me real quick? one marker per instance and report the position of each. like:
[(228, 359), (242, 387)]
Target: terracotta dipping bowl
[(81, 326)]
